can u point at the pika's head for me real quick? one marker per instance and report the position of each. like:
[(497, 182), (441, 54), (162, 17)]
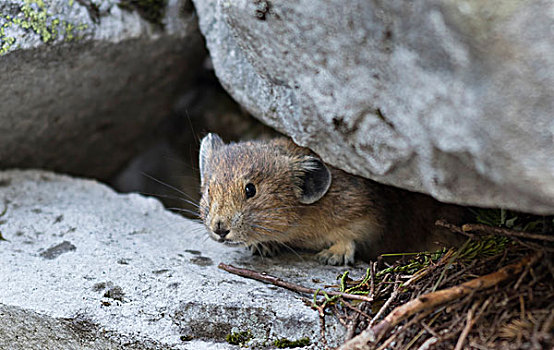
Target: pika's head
[(254, 192)]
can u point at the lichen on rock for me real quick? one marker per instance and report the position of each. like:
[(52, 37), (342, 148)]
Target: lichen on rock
[(46, 21)]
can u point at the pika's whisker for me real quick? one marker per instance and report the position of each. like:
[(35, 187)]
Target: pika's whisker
[(167, 185), (291, 249), (171, 197), (192, 212)]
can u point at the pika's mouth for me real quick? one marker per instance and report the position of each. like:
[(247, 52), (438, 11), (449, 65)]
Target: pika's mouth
[(230, 243), (227, 242)]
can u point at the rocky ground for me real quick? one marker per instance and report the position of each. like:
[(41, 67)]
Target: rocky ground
[(85, 267), (452, 100)]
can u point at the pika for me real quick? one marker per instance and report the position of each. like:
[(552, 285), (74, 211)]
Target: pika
[(271, 194)]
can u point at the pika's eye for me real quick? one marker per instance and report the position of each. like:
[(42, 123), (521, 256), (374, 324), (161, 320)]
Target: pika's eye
[(250, 190)]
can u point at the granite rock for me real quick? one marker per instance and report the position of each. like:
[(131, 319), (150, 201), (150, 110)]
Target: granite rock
[(103, 270), (453, 99), (82, 79)]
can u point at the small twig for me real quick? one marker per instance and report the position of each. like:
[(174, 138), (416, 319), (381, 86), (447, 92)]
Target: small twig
[(355, 321), (467, 328), (521, 307), (463, 271), (404, 328), (424, 272), (338, 315), (453, 228), (430, 300), (547, 325), (372, 279), (506, 232), (418, 335), (431, 341), (321, 312), (532, 245), (351, 329), (284, 284), (353, 324), (385, 306), (353, 308), (450, 262), (414, 339), (430, 330)]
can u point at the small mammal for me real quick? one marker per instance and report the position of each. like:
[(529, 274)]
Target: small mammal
[(267, 194)]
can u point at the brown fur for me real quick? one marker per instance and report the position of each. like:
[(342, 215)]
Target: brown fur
[(354, 215)]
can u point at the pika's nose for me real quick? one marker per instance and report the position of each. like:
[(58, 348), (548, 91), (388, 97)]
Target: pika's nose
[(220, 229)]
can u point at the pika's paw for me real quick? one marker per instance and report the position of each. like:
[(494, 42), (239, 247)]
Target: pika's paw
[(338, 254), (265, 249)]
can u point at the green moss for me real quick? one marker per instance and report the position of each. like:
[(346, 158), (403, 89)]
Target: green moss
[(238, 338), (285, 343), (34, 16), (151, 10)]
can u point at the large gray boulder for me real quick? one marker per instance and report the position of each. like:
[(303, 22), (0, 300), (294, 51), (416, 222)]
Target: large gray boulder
[(83, 79), (453, 99), (85, 267)]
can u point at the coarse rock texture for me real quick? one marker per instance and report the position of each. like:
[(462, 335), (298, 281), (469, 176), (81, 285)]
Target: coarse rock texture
[(82, 79), (100, 270), (453, 99)]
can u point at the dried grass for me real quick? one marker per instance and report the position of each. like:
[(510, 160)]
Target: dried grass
[(516, 312)]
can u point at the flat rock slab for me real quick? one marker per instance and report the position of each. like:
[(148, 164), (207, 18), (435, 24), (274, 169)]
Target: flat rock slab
[(103, 270)]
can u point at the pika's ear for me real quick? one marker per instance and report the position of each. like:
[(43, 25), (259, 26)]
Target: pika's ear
[(316, 180), (209, 144)]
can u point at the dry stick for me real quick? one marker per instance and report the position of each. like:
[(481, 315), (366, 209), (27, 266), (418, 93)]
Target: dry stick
[(422, 273), (406, 326), (430, 330), (429, 342), (351, 329), (353, 308), (467, 328), (339, 317), (322, 331), (547, 325), (321, 312), (533, 246), (372, 278), (429, 300), (506, 232), (522, 276), (284, 284), (500, 231), (453, 228), (385, 305)]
